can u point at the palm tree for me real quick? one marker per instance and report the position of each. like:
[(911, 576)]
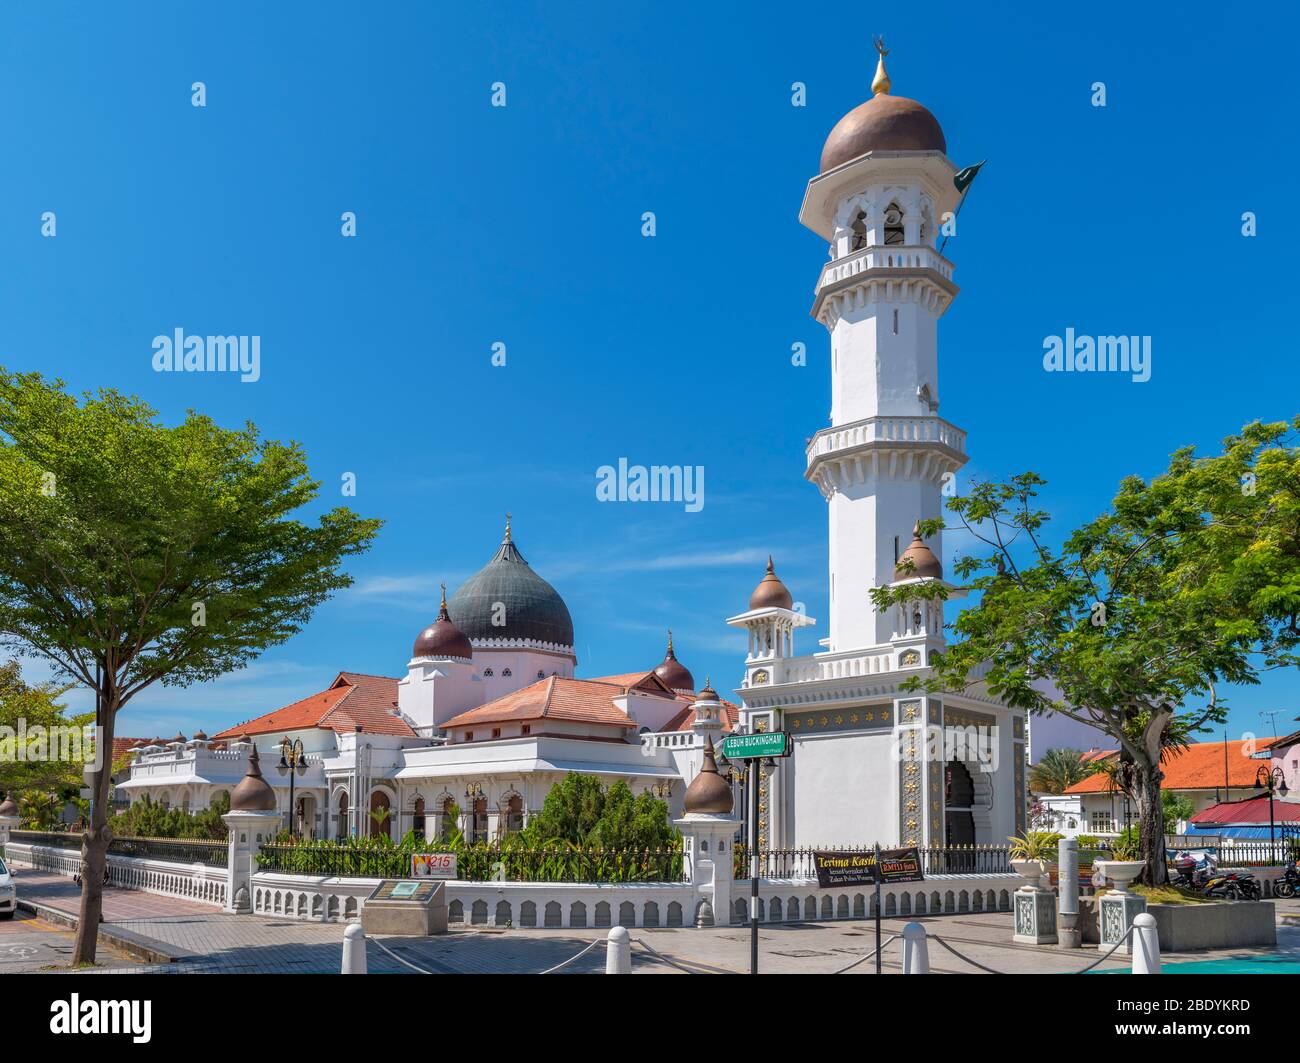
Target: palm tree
[(1058, 771)]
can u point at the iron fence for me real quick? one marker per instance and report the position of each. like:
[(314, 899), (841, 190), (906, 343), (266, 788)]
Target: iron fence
[(478, 863), (175, 850), (935, 860)]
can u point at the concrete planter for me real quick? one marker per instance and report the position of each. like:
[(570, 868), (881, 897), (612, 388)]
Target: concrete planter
[(1222, 925)]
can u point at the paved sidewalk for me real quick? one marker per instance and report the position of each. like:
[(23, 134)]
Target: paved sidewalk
[(214, 942)]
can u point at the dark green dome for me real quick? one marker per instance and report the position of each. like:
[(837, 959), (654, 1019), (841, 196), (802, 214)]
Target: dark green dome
[(507, 589)]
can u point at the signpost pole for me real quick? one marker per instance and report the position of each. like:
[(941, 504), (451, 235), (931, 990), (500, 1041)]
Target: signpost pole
[(753, 865), (878, 877)]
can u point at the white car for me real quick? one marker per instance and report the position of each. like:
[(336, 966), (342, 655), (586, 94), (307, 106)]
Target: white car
[(8, 893)]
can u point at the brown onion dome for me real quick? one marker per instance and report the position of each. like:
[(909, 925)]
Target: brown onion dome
[(708, 792), (924, 563), (199, 736), (883, 123), (253, 794), (708, 693), (9, 807), (179, 738), (770, 592), (443, 638), (675, 675)]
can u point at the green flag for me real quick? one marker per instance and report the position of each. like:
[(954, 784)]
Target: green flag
[(962, 179)]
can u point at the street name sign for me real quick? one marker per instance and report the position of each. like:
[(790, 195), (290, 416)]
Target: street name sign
[(758, 744)]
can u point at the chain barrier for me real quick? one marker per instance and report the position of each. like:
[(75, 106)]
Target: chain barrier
[(989, 970), (883, 945)]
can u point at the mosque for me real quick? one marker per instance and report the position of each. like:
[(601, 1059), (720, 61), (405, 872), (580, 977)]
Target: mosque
[(490, 714)]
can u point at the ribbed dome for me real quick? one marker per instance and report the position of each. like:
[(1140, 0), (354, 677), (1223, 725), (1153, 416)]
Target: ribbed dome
[(442, 638), (507, 589), (675, 675), (883, 123), (708, 791), (253, 794), (770, 592), (924, 563)]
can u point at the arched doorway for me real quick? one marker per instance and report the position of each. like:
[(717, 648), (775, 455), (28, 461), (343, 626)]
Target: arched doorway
[(342, 823), (958, 802), (305, 816), (381, 815), (418, 818)]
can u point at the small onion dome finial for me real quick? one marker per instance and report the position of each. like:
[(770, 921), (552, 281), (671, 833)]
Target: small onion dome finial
[(9, 807), (507, 538), (708, 792), (199, 736), (254, 793), (443, 638), (770, 593), (923, 561), (880, 84), (675, 675)]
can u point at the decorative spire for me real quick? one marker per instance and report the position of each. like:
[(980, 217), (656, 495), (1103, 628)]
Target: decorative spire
[(770, 569), (442, 608), (507, 538), (880, 83), (670, 646)]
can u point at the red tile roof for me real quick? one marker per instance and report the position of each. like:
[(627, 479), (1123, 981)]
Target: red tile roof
[(1198, 767), (352, 699), (553, 698), (642, 682), (1250, 810)]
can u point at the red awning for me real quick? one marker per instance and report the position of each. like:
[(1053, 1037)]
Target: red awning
[(1251, 810)]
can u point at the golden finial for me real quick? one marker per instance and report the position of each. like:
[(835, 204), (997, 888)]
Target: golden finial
[(670, 642), (880, 83), (444, 594), (507, 539)]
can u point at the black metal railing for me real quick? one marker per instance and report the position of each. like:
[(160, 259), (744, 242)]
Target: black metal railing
[(935, 860), (174, 850), (478, 863)]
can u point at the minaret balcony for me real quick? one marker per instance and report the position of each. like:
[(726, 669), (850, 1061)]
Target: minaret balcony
[(888, 273), (889, 256), (875, 447)]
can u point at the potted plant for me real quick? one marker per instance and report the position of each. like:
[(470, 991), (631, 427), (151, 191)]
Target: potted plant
[(1124, 866), (1031, 854)]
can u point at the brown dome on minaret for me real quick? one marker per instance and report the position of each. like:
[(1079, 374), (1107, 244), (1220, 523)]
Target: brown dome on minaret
[(254, 793), (770, 593), (9, 807), (675, 675), (924, 563), (442, 638), (708, 792)]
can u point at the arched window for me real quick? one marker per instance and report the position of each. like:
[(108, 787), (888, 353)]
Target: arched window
[(417, 819), (506, 672), (479, 826), (859, 227), (448, 816), (343, 814), (893, 224), (515, 813), (488, 673), (380, 814), (541, 674)]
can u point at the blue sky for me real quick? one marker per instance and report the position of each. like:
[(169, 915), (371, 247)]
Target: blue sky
[(522, 225)]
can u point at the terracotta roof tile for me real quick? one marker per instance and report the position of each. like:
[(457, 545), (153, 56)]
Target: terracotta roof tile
[(553, 698), (351, 699), (1199, 767)]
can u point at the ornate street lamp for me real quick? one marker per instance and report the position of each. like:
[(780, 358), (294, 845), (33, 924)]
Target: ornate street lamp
[(293, 762), (1271, 780)]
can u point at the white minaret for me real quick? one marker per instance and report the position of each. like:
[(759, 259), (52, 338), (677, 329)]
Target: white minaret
[(884, 191)]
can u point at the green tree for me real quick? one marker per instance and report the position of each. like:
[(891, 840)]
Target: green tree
[(1175, 807), (580, 811), (1186, 582), (23, 709), (134, 552), (1058, 770)]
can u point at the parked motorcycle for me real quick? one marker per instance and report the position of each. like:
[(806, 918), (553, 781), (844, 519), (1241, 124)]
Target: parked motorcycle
[(1233, 886), (1192, 870), (1286, 885)]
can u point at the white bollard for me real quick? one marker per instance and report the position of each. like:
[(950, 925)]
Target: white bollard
[(354, 949), (1145, 945), (618, 951), (916, 950)]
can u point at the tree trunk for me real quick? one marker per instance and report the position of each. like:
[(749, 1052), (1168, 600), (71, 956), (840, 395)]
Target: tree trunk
[(94, 844), (1151, 823)]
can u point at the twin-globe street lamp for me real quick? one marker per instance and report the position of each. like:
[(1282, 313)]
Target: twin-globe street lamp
[(1271, 780), (293, 762)]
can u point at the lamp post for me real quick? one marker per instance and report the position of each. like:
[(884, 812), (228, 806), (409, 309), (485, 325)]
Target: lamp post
[(293, 762), (1271, 780)]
